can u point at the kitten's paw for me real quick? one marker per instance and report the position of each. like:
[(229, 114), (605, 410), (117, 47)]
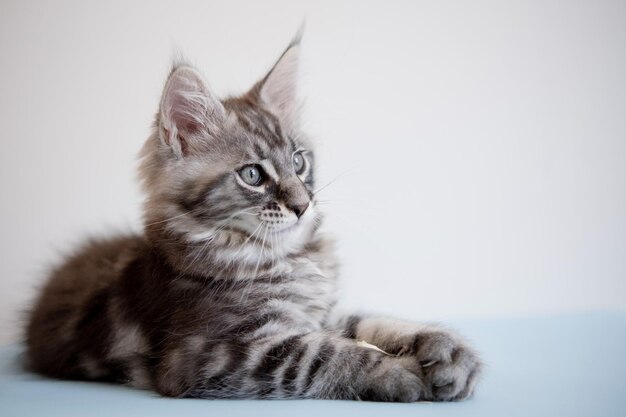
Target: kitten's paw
[(392, 381), (448, 366)]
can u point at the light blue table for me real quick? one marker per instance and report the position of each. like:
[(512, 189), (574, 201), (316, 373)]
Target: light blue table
[(570, 366)]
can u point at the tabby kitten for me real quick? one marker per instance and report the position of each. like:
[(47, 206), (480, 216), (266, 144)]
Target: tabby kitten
[(228, 292)]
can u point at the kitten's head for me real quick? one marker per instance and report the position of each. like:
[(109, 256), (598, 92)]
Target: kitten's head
[(233, 174)]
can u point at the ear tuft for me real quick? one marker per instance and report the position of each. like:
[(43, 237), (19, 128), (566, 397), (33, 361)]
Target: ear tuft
[(278, 89), (189, 110)]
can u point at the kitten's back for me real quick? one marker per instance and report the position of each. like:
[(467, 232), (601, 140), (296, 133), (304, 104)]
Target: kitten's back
[(70, 315)]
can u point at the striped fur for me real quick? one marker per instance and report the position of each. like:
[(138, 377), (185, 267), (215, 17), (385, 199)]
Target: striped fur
[(230, 290)]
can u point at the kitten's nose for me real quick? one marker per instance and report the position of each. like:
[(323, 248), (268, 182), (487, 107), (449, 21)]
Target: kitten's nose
[(298, 209)]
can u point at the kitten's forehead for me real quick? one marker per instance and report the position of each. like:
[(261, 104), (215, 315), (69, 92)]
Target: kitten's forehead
[(263, 137)]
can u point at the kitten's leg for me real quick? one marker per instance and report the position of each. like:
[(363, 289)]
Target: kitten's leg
[(320, 365), (450, 367)]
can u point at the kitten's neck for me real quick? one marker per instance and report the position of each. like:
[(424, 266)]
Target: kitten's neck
[(225, 256)]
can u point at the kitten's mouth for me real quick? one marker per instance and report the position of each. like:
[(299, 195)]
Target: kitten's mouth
[(281, 230)]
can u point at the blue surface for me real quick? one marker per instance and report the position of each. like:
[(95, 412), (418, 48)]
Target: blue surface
[(560, 366)]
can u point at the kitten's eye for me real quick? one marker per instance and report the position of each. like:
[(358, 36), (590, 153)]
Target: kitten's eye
[(298, 162), (252, 175)]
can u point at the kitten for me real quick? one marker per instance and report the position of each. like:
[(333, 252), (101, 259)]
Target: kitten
[(228, 292)]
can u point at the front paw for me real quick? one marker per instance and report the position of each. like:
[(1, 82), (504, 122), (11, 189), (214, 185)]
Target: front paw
[(448, 367), (392, 380)]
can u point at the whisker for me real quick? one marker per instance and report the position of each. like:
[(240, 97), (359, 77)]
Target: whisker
[(361, 207), (171, 218), (256, 268), (243, 245), (338, 177)]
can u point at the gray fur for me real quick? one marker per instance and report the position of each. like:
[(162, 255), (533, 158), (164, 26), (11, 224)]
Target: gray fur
[(230, 290)]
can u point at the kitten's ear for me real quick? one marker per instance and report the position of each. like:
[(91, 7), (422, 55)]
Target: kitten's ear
[(278, 89), (189, 111)]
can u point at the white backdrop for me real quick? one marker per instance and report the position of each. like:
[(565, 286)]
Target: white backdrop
[(480, 146)]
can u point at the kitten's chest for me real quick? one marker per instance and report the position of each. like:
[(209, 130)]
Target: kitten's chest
[(304, 292), (295, 292)]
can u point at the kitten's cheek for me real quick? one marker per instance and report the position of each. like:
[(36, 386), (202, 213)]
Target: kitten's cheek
[(249, 224)]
